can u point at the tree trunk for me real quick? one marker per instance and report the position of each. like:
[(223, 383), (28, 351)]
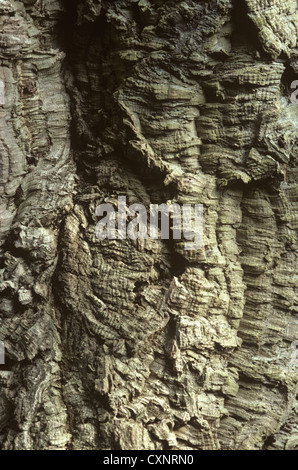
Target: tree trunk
[(123, 344)]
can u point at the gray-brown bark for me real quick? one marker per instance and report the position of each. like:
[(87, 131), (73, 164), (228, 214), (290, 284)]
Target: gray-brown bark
[(124, 345)]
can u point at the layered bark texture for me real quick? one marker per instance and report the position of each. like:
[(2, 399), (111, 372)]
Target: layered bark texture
[(122, 344)]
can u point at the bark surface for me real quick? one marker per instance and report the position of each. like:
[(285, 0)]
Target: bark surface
[(117, 344)]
